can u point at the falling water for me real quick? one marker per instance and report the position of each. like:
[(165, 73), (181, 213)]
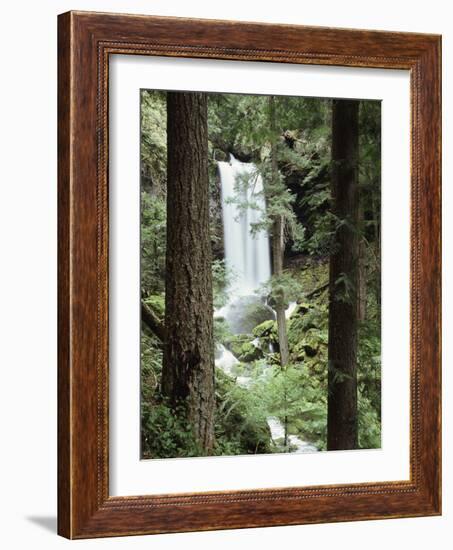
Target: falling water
[(290, 309), (225, 360), (246, 251), (247, 257)]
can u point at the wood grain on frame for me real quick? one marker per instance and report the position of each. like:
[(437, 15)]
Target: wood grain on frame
[(85, 42)]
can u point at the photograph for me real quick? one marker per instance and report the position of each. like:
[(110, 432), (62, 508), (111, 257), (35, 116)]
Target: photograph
[(260, 257), (249, 281)]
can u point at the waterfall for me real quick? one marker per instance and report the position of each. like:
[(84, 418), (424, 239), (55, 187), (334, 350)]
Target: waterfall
[(225, 360), (290, 309), (247, 259), (246, 253)]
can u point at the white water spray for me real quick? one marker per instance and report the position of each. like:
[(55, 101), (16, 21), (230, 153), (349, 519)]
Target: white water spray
[(247, 253), (247, 257)]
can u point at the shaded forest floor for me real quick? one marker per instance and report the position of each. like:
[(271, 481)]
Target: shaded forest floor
[(251, 388)]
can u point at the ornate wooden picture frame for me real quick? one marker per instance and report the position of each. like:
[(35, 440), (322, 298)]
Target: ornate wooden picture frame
[(85, 507)]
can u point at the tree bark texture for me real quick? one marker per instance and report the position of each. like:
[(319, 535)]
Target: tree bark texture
[(188, 364), (278, 247), (342, 422), (280, 303)]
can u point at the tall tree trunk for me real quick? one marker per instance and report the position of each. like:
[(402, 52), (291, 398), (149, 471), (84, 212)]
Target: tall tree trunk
[(280, 302), (278, 247), (188, 364), (342, 422)]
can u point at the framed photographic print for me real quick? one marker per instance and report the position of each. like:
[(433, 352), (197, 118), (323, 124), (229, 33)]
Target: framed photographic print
[(249, 275)]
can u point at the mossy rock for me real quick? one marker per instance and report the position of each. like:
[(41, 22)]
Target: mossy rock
[(250, 352), (304, 343), (235, 343), (303, 350), (220, 155), (243, 348), (302, 308), (297, 352), (245, 312), (296, 331), (310, 325), (266, 329), (310, 351)]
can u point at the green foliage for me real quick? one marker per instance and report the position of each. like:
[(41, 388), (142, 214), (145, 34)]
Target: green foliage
[(153, 243), (220, 280), (153, 141), (298, 396), (243, 348), (237, 120), (151, 363), (282, 289), (369, 375), (221, 330), (267, 333), (241, 418), (297, 134), (344, 289), (157, 303), (369, 424), (165, 432)]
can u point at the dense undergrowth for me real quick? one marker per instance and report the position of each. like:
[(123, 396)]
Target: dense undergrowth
[(297, 395)]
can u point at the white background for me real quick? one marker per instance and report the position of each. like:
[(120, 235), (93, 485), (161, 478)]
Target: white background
[(128, 474), (28, 271)]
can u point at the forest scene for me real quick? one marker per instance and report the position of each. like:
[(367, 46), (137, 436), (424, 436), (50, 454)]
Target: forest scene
[(260, 274)]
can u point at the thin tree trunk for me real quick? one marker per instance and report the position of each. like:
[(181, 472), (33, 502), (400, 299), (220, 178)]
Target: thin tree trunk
[(188, 364), (278, 247), (280, 303), (342, 422)]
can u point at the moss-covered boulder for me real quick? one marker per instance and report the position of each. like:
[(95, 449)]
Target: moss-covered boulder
[(307, 331), (302, 308), (244, 349), (245, 312), (250, 352), (266, 329), (235, 341)]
